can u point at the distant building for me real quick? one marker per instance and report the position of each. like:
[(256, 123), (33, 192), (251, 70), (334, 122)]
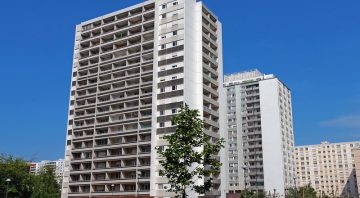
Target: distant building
[(328, 167), (35, 167), (260, 133)]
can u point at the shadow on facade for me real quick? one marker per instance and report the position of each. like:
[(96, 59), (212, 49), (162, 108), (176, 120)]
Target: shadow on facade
[(350, 186)]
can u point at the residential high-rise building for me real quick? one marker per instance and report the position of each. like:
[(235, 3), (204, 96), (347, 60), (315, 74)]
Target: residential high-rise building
[(328, 167), (132, 70), (260, 133)]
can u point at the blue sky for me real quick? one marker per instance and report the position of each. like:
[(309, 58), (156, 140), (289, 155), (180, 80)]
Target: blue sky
[(313, 46)]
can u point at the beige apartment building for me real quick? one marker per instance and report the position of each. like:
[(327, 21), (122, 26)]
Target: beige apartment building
[(328, 167)]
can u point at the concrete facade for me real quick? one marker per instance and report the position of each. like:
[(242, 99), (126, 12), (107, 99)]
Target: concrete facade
[(132, 70), (328, 167), (260, 133)]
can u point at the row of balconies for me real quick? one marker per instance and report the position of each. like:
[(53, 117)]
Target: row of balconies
[(144, 58), (123, 117), (109, 82), (126, 126), (122, 36), (111, 163), (112, 109), (100, 131), (120, 25), (209, 40), (110, 97), (206, 13), (119, 75), (123, 48), (110, 176), (119, 151), (209, 34), (120, 66), (111, 188), (146, 10), (105, 120)]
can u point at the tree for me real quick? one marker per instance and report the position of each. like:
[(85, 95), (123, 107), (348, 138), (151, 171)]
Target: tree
[(45, 184), (190, 156), (252, 194), (304, 191), (24, 184), (15, 169)]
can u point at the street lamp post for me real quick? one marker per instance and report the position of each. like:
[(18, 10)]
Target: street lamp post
[(295, 187), (138, 173), (7, 187), (244, 168), (112, 189)]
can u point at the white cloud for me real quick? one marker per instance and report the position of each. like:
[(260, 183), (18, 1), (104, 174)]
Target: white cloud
[(351, 121)]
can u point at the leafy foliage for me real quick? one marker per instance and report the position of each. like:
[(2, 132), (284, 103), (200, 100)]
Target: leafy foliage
[(15, 169), (304, 191), (23, 184), (45, 184), (190, 156)]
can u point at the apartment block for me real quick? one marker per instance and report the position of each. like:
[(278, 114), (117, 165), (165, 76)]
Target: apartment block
[(260, 133), (35, 167), (132, 70), (328, 167)]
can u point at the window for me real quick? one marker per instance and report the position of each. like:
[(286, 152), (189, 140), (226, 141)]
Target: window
[(172, 123), (163, 6), (174, 66), (174, 87), (164, 36), (163, 46), (162, 112), (175, 3), (173, 111), (174, 33), (174, 77), (162, 124), (162, 89), (163, 16), (175, 43)]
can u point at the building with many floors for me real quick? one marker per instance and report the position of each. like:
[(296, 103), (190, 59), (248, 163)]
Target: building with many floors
[(260, 133), (132, 70), (328, 167)]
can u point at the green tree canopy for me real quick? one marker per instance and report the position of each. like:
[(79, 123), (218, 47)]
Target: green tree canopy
[(190, 155), (305, 191), (45, 184), (17, 170), (24, 184)]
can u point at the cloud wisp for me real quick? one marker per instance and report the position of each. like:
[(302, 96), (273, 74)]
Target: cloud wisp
[(349, 121)]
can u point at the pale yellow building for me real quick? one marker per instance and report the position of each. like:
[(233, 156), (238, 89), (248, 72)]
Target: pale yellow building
[(328, 167)]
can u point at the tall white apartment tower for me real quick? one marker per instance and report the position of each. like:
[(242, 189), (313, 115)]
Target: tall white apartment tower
[(260, 133), (132, 70)]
